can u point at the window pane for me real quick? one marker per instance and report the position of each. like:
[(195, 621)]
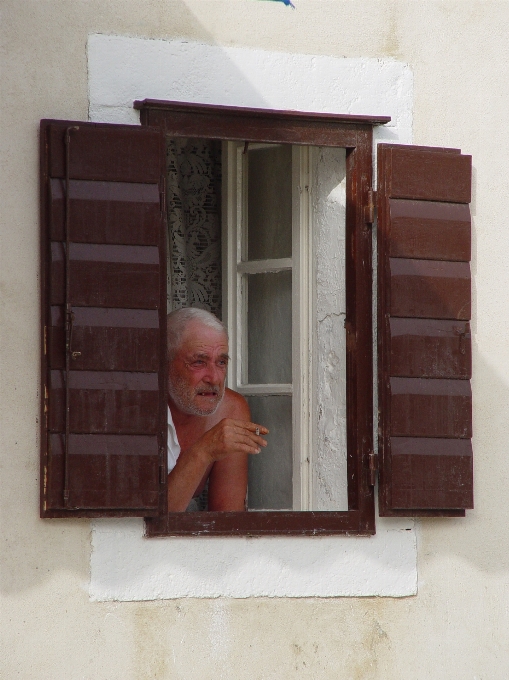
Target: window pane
[(269, 327), (270, 472), (270, 203)]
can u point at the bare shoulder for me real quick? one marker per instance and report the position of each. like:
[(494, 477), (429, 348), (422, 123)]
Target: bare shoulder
[(233, 406)]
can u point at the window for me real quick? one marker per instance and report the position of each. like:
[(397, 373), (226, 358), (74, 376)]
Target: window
[(284, 236), (104, 364)]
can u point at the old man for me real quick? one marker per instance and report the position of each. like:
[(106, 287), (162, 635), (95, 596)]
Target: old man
[(209, 431)]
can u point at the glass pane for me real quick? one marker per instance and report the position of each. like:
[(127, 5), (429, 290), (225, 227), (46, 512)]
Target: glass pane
[(269, 203), (270, 472), (269, 327)]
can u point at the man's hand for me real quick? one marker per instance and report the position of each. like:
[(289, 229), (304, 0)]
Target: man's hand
[(221, 454), (231, 436), (227, 444)]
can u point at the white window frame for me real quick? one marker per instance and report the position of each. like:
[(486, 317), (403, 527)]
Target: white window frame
[(303, 301)]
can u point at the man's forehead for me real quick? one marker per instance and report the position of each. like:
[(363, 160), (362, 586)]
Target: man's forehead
[(200, 338)]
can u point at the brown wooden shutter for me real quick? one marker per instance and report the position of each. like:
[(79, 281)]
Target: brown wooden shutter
[(424, 359), (103, 261)]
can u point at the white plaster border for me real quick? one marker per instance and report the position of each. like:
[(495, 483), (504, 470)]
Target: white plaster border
[(125, 565)]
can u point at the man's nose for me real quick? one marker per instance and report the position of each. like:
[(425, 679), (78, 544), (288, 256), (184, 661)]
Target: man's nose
[(213, 374)]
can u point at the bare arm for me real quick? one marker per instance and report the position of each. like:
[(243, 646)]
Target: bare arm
[(228, 477), (190, 468), (225, 447)]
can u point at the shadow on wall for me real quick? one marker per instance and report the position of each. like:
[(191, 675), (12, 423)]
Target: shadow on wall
[(481, 538)]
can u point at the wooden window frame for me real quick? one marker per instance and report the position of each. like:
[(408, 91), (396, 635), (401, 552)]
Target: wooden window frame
[(355, 134)]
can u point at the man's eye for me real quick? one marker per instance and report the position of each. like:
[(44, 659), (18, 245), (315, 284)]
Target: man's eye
[(223, 362)]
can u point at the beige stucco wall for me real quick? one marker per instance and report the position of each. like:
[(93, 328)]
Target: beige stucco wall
[(455, 628)]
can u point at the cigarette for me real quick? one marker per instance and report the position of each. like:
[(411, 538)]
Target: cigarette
[(257, 431)]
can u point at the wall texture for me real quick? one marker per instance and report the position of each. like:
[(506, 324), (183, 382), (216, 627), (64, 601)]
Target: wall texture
[(455, 628)]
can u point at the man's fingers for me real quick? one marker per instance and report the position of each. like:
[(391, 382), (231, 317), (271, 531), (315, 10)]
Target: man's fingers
[(244, 448), (249, 436), (254, 443), (255, 428), (259, 429), (239, 436), (252, 427), (243, 443)]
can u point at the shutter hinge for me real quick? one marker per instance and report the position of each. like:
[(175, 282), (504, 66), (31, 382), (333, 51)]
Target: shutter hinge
[(162, 196), (162, 466), (373, 468), (369, 209)]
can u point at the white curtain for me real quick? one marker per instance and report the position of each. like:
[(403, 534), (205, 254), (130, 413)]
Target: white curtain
[(194, 223)]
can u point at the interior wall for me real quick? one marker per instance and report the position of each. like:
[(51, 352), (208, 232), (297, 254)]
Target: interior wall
[(329, 467), (455, 627)]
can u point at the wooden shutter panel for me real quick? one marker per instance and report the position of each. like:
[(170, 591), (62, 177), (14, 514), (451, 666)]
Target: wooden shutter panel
[(103, 261), (424, 341)]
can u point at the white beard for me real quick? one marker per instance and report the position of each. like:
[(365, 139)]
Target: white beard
[(182, 396)]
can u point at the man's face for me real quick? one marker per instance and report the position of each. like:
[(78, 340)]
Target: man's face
[(197, 371)]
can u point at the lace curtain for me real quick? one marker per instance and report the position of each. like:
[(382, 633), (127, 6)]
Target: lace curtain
[(194, 223)]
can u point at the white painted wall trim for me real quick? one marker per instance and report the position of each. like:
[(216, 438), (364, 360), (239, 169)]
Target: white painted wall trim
[(125, 565)]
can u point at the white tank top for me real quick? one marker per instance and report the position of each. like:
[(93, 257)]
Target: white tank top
[(173, 443)]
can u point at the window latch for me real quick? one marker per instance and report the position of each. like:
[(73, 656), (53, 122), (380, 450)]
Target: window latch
[(373, 468), (369, 209)]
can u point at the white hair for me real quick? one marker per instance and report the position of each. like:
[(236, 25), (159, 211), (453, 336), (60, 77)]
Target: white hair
[(178, 320)]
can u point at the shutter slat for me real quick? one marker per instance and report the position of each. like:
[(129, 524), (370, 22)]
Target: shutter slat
[(431, 473), (425, 401), (430, 289), (430, 348), (429, 230), (107, 275), (117, 405), (430, 408), (430, 176), (106, 472), (105, 402), (107, 339), (106, 212), (105, 152)]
